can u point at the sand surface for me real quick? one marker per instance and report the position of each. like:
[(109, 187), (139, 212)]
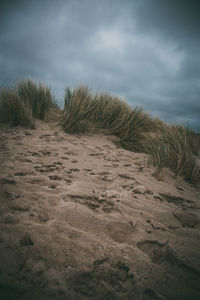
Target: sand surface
[(81, 218)]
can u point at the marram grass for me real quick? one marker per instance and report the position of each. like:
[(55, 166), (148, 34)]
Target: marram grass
[(84, 112), (38, 97), (175, 147), (27, 101), (15, 110)]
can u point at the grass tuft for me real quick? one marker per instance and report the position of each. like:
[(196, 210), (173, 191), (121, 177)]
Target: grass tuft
[(22, 104), (78, 109), (177, 148), (14, 110), (38, 97), (86, 112)]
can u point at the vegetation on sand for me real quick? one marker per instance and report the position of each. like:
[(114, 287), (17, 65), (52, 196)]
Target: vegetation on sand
[(175, 147), (27, 101)]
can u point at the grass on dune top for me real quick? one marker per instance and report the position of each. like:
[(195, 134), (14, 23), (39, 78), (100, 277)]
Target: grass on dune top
[(175, 147), (85, 112)]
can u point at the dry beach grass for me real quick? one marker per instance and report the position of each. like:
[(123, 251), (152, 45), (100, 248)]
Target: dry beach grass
[(175, 147)]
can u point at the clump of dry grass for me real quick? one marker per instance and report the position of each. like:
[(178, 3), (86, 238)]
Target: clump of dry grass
[(38, 97), (77, 110), (14, 110), (27, 101), (177, 148), (84, 112), (134, 133), (110, 112)]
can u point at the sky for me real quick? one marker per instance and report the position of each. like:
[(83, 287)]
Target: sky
[(144, 51)]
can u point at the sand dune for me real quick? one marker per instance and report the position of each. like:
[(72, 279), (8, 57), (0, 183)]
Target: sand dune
[(82, 218)]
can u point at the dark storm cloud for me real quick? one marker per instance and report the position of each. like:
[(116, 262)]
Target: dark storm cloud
[(174, 18), (144, 51), (178, 23)]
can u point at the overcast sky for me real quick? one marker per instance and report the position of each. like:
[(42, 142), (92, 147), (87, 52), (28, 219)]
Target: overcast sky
[(145, 51)]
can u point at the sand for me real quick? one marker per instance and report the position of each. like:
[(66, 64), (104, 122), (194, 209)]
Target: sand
[(81, 218)]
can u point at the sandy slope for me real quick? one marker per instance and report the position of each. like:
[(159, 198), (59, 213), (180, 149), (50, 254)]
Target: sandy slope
[(81, 218)]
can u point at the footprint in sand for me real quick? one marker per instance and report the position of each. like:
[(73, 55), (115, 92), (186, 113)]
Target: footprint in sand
[(88, 170), (10, 195), (160, 253), (8, 181), (34, 153), (126, 176), (55, 177), (105, 176), (111, 158), (97, 155), (20, 205), (10, 219), (99, 148), (74, 161), (71, 152), (43, 136), (59, 139), (156, 250), (20, 174), (43, 215), (26, 240), (46, 168), (186, 219), (127, 165), (155, 225), (103, 173), (45, 152), (178, 201), (27, 133), (128, 187), (27, 160), (106, 279), (68, 181), (120, 232), (92, 201), (52, 186), (74, 170)]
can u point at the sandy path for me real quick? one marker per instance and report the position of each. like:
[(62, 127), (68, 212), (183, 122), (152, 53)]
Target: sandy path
[(81, 218)]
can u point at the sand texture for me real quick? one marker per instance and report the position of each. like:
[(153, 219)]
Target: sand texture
[(81, 218)]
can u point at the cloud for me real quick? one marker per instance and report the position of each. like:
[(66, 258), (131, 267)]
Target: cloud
[(175, 19), (143, 51)]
